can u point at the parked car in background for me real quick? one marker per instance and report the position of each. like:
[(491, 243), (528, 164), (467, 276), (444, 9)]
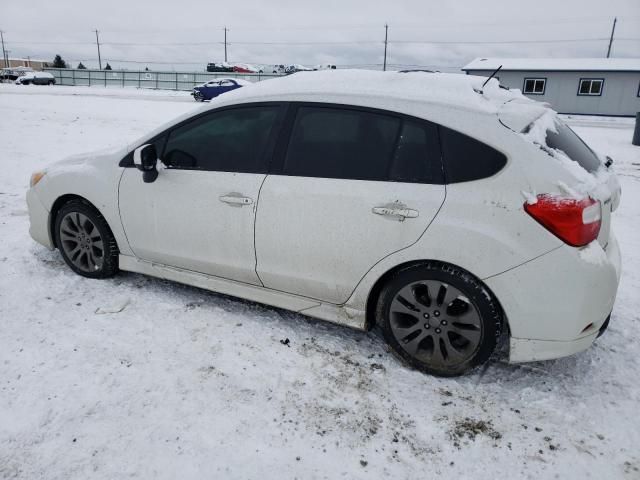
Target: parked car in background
[(296, 67), (36, 78), (278, 69), (325, 66), (439, 207), (216, 87), (219, 67), (12, 73), (247, 68)]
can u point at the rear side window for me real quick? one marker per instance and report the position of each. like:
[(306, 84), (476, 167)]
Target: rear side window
[(227, 141), (341, 143), (417, 158), (573, 147), (466, 158), (334, 142)]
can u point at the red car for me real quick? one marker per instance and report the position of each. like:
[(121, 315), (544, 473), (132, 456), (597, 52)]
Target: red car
[(244, 68)]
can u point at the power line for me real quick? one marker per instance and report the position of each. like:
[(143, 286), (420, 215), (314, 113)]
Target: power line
[(345, 42)]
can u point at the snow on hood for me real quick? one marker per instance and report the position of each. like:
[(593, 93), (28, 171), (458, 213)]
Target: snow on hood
[(83, 158)]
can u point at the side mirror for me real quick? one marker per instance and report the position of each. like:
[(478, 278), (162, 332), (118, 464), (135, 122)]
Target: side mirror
[(145, 159)]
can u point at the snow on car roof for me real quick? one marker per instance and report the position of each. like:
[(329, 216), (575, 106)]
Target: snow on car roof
[(556, 64), (450, 89)]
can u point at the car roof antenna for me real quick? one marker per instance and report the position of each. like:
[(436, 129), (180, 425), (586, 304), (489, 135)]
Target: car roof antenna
[(491, 76)]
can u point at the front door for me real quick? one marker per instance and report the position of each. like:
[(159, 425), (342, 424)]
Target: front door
[(199, 213)]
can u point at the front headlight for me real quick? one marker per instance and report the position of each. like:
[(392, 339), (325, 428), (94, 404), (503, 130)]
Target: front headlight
[(36, 177)]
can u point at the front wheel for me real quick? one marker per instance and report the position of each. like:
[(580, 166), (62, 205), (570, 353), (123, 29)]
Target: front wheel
[(85, 240), (198, 97), (439, 318)]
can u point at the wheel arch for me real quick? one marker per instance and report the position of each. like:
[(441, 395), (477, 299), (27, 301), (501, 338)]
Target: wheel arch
[(374, 292), (58, 204)]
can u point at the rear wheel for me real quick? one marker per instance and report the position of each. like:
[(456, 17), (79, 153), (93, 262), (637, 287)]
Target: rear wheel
[(439, 318), (85, 240)]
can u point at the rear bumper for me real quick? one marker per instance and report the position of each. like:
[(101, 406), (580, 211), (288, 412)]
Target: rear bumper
[(556, 304), (38, 220)]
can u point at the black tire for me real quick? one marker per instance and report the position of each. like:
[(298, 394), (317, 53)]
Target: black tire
[(446, 327), (50, 82), (91, 249)]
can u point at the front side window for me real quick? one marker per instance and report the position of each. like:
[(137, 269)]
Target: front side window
[(228, 141), (331, 142), (590, 86), (534, 86)]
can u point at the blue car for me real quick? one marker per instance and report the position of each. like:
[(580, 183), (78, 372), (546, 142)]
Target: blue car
[(213, 88)]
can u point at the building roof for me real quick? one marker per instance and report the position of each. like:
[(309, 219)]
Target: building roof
[(557, 64)]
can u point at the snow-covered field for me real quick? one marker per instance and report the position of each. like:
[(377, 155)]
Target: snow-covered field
[(188, 384)]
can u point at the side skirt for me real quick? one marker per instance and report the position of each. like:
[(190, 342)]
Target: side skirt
[(338, 314)]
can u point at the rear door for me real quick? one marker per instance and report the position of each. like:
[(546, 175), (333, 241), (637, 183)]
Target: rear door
[(351, 186)]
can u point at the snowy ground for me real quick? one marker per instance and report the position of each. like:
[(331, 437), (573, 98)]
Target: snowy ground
[(189, 384)]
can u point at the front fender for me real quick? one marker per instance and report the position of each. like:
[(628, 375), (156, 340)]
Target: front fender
[(94, 178)]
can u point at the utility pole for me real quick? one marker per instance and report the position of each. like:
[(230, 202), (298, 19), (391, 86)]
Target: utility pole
[(386, 36), (225, 44), (613, 29), (5, 57), (98, 44)]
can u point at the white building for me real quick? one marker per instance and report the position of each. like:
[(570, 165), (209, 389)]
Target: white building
[(588, 86)]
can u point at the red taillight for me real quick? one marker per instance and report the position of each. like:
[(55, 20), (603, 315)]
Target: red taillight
[(576, 222)]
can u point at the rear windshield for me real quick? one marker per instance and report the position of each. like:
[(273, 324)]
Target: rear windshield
[(572, 145)]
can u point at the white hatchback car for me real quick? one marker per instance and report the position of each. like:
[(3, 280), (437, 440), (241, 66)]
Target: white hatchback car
[(443, 210)]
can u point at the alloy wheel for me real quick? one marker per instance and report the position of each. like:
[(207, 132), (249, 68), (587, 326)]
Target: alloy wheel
[(82, 242), (435, 323)]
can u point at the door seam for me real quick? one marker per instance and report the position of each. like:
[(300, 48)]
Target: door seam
[(255, 221)]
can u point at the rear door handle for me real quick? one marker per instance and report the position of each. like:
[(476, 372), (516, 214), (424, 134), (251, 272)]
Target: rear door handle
[(236, 199), (399, 213)]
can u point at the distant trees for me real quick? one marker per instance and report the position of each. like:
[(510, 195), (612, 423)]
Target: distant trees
[(81, 66), (58, 62), (108, 67)]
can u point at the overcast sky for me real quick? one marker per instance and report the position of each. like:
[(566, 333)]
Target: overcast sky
[(186, 35)]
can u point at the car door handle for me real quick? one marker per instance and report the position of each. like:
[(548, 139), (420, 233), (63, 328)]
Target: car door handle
[(236, 199), (397, 212)]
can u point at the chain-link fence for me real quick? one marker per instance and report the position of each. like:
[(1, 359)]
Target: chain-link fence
[(145, 79)]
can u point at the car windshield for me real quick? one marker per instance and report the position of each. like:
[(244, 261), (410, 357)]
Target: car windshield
[(567, 141)]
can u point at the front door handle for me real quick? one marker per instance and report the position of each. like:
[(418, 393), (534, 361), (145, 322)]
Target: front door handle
[(399, 212), (236, 199)]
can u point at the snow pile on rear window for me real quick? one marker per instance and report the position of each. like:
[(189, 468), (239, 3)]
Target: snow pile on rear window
[(587, 183)]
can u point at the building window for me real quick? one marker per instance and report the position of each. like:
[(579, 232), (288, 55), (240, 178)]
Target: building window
[(591, 86), (534, 86)]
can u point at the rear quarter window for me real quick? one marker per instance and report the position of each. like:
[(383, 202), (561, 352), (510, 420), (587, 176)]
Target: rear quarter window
[(466, 158)]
